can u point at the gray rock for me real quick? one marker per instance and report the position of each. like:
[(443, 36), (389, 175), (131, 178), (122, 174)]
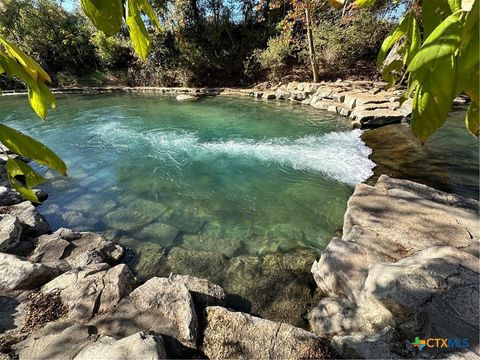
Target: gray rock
[(186, 97), (268, 96), (96, 289), (33, 224), (235, 335), (337, 316), (17, 273), (142, 345), (323, 104), (204, 292), (403, 221), (408, 261), (75, 250), (282, 94), (58, 340), (159, 305), (378, 116), (379, 346), (9, 197), (435, 292), (10, 231)]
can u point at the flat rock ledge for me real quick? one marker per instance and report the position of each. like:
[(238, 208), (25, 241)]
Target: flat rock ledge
[(406, 266)]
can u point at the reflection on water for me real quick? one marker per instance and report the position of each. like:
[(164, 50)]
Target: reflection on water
[(448, 161)]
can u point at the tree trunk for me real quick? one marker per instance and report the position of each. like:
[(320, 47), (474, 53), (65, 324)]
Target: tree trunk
[(311, 49)]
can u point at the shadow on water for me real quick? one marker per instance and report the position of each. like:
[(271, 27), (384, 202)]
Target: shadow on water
[(448, 161)]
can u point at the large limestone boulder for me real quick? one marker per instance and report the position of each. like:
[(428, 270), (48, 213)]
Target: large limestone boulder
[(408, 261), (436, 291), (376, 116), (388, 222), (142, 345), (33, 223), (92, 291), (17, 273), (10, 231), (235, 335), (75, 250), (161, 305)]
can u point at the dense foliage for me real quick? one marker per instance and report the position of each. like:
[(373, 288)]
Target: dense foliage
[(201, 42)]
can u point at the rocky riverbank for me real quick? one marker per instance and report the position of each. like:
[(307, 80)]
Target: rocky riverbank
[(366, 103), (405, 267)]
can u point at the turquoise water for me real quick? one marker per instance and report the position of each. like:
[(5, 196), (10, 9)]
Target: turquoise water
[(232, 176)]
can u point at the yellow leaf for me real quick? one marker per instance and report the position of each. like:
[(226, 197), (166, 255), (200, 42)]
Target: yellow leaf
[(30, 65)]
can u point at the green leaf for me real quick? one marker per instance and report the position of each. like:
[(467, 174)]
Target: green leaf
[(392, 71), (105, 15), (138, 31), (442, 42), (26, 146), (413, 39), (454, 5), (393, 37), (472, 119), (433, 98), (23, 178), (468, 59), (433, 13)]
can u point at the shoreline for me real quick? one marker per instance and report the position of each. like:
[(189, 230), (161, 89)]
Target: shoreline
[(367, 103)]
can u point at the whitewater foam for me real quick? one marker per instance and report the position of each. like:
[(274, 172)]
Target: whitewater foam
[(339, 155)]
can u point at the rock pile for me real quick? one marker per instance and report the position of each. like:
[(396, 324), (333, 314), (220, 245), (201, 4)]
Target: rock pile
[(367, 103), (406, 266)]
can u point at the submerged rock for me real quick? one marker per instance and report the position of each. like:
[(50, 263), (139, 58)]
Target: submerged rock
[(237, 335), (158, 233)]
